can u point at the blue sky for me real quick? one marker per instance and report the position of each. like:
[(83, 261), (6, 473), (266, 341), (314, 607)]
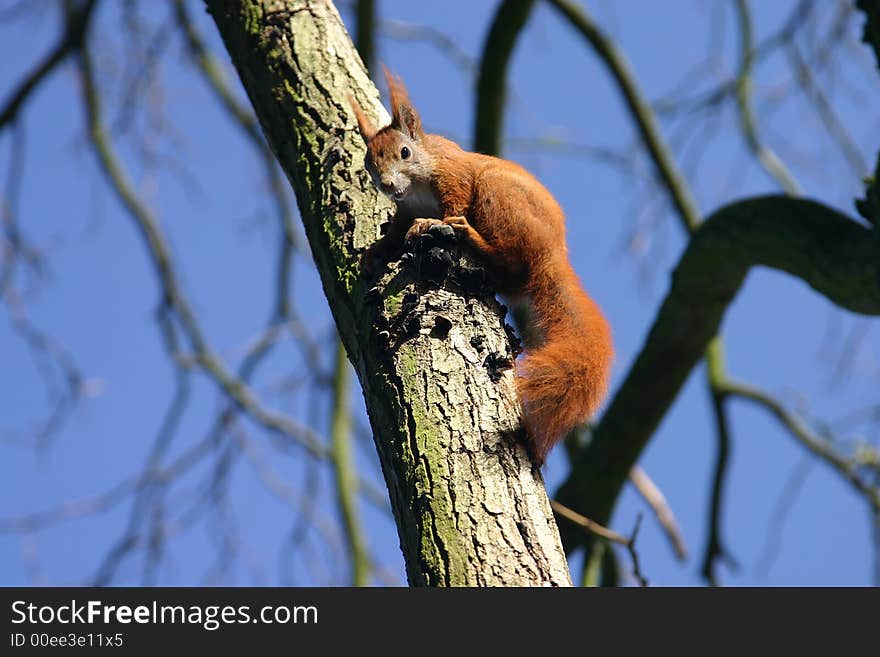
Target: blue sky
[(98, 295)]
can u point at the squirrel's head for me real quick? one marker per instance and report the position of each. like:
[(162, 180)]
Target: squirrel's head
[(396, 156)]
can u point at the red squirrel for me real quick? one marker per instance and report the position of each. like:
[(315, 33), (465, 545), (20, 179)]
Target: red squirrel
[(517, 231)]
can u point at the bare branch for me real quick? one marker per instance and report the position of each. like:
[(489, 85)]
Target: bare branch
[(446, 44), (344, 469), (835, 127), (765, 155), (172, 293), (105, 501), (244, 118), (673, 181), (606, 534), (54, 363), (76, 22), (365, 36), (509, 20), (655, 499), (715, 549), (848, 468), (639, 108), (149, 490), (776, 523), (836, 256)]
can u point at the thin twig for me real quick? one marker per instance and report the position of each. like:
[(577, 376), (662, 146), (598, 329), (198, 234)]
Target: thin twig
[(768, 159), (446, 44), (715, 549), (245, 120), (797, 428), (606, 534), (110, 498), (655, 499), (781, 509), (834, 126)]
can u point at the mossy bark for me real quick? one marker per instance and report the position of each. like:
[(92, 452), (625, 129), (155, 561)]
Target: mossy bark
[(470, 507)]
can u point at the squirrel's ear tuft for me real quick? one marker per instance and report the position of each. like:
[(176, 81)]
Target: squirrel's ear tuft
[(365, 125), (406, 119)]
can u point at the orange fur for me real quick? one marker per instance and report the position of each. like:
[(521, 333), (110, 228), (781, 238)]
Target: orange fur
[(517, 229)]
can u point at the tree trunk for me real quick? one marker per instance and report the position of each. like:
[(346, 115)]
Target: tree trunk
[(433, 358)]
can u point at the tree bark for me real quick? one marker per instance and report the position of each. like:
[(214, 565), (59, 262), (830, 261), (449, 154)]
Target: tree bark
[(433, 358)]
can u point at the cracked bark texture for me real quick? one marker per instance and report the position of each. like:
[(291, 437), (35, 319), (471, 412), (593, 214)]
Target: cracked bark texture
[(470, 507)]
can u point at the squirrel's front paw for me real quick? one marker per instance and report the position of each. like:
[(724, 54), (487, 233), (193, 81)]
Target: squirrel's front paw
[(420, 226)]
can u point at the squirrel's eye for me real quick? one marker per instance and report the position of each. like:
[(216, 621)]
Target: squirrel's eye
[(404, 153)]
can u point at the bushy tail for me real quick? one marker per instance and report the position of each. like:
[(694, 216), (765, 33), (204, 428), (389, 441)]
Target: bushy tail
[(563, 380)]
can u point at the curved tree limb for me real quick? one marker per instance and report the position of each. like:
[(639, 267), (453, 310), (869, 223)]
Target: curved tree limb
[(689, 217), (681, 197), (839, 258)]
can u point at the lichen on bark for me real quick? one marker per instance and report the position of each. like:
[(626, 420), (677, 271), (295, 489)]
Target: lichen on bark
[(430, 355)]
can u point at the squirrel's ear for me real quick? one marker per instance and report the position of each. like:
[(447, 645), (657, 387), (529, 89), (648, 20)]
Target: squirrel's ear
[(406, 119), (365, 125)]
